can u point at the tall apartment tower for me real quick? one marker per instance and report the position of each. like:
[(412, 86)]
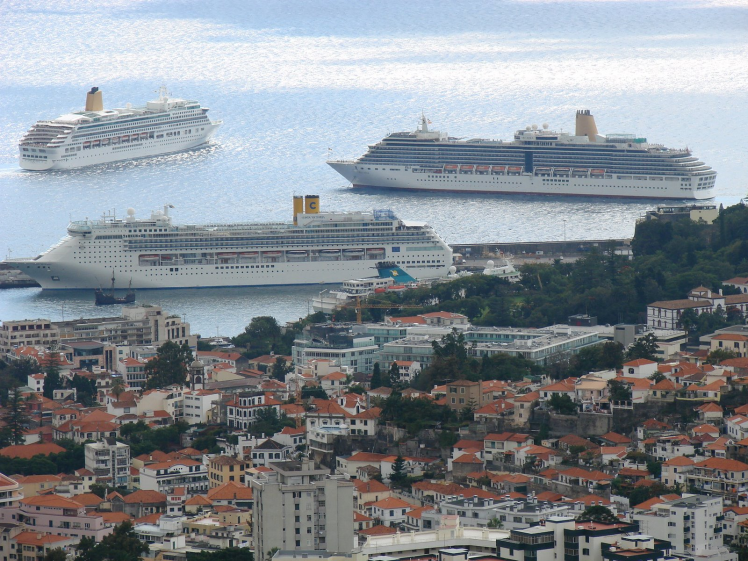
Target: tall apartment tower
[(300, 508)]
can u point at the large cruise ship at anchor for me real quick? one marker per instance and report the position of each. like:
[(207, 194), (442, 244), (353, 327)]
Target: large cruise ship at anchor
[(536, 161), (316, 247), (97, 135)]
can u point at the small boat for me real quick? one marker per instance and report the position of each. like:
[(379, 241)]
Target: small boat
[(561, 171), (450, 168), (143, 136), (483, 168), (105, 142), (514, 169), (104, 298), (272, 253), (149, 257), (226, 255), (498, 170), (86, 145), (353, 251), (329, 252), (375, 251), (297, 253), (248, 254), (580, 170), (166, 258), (467, 168), (598, 172), (125, 138), (397, 288), (541, 171), (96, 143)]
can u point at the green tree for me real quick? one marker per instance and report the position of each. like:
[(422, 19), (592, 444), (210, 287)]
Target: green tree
[(52, 380), (394, 375), (644, 347), (228, 554), (598, 513), (495, 523), (169, 366), (280, 368), (376, 376), (99, 490), (562, 404), (619, 391), (718, 355), (15, 419), (118, 387), (398, 475), (121, 545), (56, 554)]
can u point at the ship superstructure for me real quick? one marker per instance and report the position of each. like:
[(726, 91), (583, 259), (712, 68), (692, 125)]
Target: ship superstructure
[(97, 135), (316, 247), (537, 161)]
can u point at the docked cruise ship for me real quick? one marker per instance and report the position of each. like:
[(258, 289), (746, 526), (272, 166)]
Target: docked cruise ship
[(316, 247), (97, 135), (536, 161)]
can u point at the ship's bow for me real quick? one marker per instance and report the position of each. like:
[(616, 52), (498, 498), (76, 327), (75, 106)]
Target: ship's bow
[(344, 168)]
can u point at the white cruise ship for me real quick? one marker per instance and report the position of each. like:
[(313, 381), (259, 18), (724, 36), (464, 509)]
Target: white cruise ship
[(316, 247), (536, 161), (97, 135)]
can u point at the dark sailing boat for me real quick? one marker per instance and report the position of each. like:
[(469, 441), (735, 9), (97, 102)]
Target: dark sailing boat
[(106, 298)]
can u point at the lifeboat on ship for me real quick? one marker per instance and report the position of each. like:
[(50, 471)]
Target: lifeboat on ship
[(297, 253), (375, 251), (580, 171), (272, 253), (450, 168), (561, 172), (166, 258), (482, 169), (115, 140), (105, 142), (498, 170), (228, 255), (149, 257), (467, 169), (515, 170), (143, 136), (353, 252), (86, 145), (397, 288), (125, 138), (96, 143), (248, 254), (597, 172)]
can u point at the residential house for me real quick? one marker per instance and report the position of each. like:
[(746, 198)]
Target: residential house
[(224, 469), (57, 515)]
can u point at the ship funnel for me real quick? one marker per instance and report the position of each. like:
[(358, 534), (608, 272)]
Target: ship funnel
[(311, 204), (94, 101), (298, 207), (586, 125)]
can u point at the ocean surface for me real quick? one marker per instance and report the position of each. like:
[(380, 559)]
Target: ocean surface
[(296, 80)]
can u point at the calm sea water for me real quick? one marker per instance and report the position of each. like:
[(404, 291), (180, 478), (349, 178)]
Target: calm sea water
[(292, 78)]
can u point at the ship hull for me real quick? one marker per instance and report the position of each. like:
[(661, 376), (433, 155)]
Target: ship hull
[(526, 184), (55, 275), (57, 159)]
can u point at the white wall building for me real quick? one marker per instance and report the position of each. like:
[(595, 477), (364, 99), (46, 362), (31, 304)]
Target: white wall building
[(197, 404), (109, 458), (298, 507), (165, 476)]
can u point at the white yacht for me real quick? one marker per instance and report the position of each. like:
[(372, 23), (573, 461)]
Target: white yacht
[(97, 135), (316, 247), (504, 269), (536, 161)]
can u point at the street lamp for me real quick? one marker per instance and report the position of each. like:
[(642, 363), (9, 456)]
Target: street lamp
[(564, 229)]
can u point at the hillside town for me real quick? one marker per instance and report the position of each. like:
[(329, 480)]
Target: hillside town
[(338, 451)]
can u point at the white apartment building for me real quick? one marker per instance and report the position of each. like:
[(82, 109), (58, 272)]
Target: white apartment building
[(164, 477), (692, 524), (108, 458), (356, 353), (133, 372), (27, 333), (10, 491), (169, 399), (197, 404), (242, 410), (298, 507), (477, 512)]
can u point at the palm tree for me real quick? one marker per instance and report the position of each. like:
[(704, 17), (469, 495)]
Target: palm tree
[(118, 387), (495, 523)]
